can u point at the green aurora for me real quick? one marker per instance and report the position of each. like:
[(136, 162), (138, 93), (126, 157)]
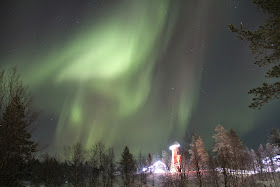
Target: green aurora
[(112, 66), (120, 78)]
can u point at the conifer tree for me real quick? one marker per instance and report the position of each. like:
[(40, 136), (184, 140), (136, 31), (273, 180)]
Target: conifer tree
[(16, 118), (127, 167), (265, 45)]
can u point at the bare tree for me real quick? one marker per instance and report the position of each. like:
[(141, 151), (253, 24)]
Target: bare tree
[(222, 150), (95, 164), (259, 160), (212, 171), (236, 155), (166, 158), (236, 148), (142, 164), (270, 152), (111, 166), (198, 156), (75, 157), (102, 165)]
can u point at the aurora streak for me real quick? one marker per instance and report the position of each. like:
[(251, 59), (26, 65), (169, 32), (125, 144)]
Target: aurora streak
[(135, 73)]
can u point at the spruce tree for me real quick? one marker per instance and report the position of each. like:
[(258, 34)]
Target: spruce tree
[(16, 144), (127, 167)]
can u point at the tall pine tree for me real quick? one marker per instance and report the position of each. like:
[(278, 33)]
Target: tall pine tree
[(265, 45)]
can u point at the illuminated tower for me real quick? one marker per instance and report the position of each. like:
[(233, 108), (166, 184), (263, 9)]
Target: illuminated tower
[(176, 158)]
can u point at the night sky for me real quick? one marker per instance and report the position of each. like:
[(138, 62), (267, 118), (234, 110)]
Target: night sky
[(136, 73)]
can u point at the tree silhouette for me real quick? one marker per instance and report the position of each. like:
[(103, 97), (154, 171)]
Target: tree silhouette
[(199, 156), (16, 145), (127, 167), (274, 137), (265, 45)]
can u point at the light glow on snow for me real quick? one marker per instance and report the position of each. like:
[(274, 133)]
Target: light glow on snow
[(158, 167), (159, 171)]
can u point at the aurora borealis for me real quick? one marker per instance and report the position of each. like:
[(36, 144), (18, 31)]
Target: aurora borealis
[(136, 73)]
